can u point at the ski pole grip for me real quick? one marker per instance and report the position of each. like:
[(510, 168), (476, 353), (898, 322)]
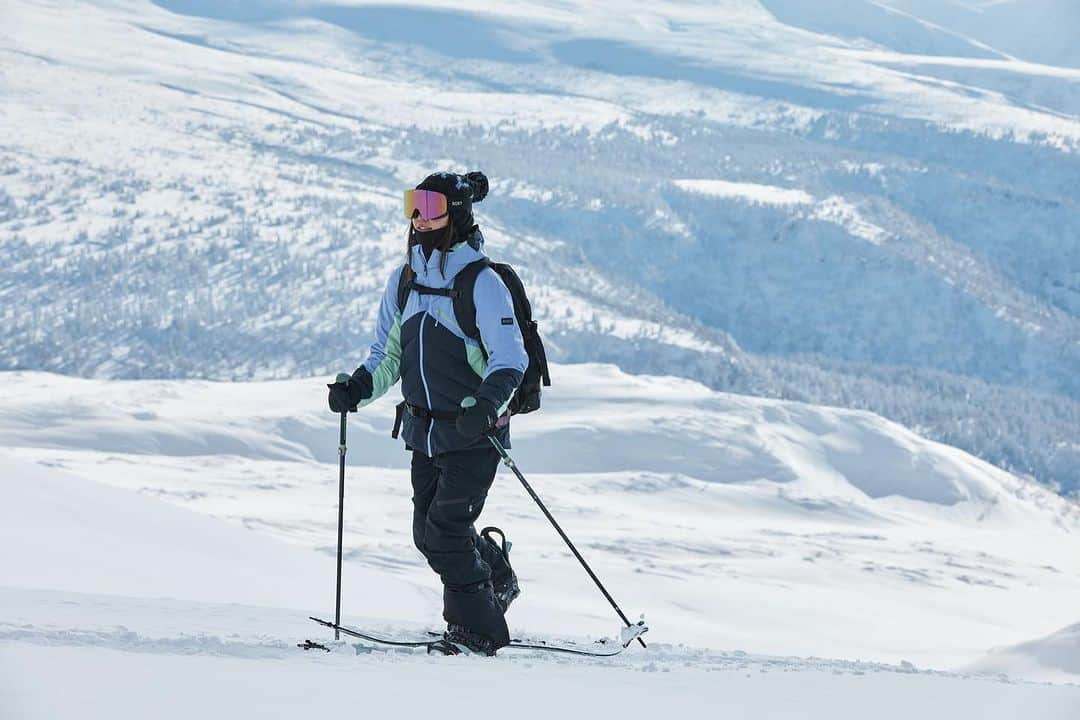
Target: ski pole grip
[(343, 378)]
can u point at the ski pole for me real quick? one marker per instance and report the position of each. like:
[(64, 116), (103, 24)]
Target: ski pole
[(509, 462), (340, 510)]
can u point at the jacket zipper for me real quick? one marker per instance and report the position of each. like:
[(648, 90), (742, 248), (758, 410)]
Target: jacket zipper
[(423, 380)]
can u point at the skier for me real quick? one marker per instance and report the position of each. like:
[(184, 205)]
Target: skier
[(452, 399)]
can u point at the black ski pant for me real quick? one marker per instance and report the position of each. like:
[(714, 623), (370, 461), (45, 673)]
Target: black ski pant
[(449, 491)]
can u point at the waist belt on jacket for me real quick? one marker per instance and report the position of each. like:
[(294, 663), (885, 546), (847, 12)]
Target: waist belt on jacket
[(419, 412)]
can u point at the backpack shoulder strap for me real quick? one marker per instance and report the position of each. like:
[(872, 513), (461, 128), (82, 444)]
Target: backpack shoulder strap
[(404, 286), (510, 278), (464, 302)]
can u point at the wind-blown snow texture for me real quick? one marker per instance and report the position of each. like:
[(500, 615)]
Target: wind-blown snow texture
[(169, 539), (872, 205), (1055, 656)]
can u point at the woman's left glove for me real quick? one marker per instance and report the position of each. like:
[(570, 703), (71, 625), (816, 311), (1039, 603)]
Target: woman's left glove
[(477, 417)]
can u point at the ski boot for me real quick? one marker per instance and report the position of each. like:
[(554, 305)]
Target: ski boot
[(460, 640), (504, 580)]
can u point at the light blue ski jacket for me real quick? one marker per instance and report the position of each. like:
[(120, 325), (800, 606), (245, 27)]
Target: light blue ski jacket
[(423, 346)]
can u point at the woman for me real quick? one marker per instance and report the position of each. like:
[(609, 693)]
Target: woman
[(453, 398)]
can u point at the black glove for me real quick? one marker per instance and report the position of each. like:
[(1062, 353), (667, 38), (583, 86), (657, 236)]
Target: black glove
[(347, 392), (477, 417)]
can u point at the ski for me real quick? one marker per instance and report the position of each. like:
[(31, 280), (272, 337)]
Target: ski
[(434, 644), (372, 638), (543, 645), (570, 647)]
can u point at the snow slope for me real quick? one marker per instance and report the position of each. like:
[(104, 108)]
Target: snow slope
[(1054, 656), (242, 664), (90, 538), (163, 534), (707, 512), (1041, 31)]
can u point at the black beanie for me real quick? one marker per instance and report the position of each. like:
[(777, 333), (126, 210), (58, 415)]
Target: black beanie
[(461, 192)]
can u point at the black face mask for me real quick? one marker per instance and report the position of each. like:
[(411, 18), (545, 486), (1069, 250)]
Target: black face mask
[(429, 239)]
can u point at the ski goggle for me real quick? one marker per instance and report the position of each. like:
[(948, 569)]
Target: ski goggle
[(430, 204)]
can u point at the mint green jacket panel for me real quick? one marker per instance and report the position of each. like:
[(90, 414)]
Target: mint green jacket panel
[(384, 358)]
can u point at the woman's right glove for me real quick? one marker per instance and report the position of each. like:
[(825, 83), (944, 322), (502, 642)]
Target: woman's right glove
[(347, 392)]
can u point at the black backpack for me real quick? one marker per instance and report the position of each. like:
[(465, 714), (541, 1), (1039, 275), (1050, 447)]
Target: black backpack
[(527, 397)]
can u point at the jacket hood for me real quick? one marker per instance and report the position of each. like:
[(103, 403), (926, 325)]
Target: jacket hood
[(461, 254)]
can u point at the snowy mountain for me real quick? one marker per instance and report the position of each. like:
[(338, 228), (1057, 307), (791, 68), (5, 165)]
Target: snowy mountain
[(856, 206), (853, 210), (861, 205), (184, 530)]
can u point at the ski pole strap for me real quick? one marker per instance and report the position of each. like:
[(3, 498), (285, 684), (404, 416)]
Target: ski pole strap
[(399, 412), (501, 544)]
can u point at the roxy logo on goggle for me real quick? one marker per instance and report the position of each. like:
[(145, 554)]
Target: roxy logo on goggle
[(429, 204)]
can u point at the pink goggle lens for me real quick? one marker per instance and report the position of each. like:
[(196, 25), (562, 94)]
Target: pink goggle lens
[(429, 203)]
